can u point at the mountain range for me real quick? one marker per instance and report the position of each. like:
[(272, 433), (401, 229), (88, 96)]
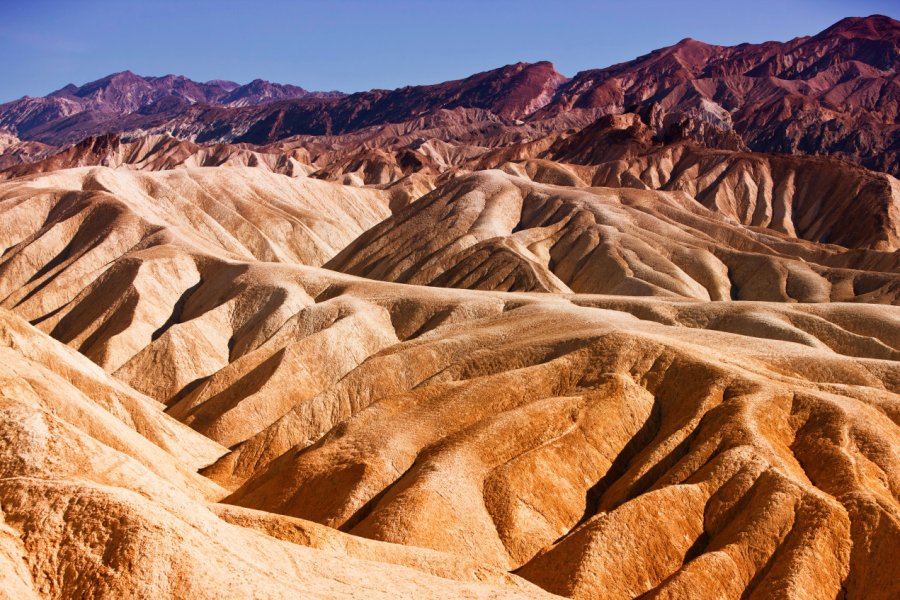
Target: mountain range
[(834, 93)]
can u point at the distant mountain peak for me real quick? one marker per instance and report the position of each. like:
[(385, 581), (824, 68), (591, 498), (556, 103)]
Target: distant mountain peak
[(871, 27), (225, 84)]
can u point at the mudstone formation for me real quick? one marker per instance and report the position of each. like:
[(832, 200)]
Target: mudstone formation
[(633, 333)]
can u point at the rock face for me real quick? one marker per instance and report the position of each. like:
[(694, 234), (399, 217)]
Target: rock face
[(161, 153), (818, 199), (14, 151), (815, 199)]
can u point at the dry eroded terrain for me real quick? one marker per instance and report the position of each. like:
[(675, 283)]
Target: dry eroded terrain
[(199, 409)]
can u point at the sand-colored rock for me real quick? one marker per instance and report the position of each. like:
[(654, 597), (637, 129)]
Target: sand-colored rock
[(162, 152), (818, 199), (93, 508), (501, 231), (65, 231), (633, 432), (498, 463)]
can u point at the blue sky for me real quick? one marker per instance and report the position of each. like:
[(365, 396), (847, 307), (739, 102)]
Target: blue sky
[(353, 45)]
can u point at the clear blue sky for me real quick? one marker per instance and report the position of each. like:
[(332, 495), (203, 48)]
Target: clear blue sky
[(354, 45)]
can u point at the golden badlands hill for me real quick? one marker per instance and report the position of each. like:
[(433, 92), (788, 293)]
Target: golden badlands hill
[(501, 230), (198, 409), (821, 199)]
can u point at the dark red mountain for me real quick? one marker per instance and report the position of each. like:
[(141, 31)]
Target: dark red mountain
[(835, 93), (71, 113)]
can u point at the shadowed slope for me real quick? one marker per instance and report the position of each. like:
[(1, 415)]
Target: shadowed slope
[(816, 199), (64, 231), (493, 230), (91, 507)]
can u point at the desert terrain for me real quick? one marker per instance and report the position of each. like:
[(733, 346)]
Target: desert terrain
[(633, 333)]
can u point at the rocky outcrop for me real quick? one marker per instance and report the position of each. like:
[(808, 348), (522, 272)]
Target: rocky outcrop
[(817, 199)]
